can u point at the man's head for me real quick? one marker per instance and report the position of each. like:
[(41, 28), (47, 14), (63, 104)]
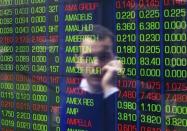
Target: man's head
[(99, 55)]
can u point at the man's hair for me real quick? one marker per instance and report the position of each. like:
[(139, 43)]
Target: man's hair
[(100, 31)]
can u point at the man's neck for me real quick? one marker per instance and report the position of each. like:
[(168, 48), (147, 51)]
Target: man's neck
[(86, 87)]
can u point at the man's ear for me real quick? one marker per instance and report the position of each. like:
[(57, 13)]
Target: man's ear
[(78, 64)]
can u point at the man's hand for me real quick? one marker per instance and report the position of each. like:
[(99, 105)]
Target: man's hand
[(110, 74)]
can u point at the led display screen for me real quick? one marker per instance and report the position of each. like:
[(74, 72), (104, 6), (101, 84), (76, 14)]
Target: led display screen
[(53, 54)]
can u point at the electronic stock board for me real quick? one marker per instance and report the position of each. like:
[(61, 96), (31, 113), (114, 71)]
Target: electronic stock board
[(38, 43)]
